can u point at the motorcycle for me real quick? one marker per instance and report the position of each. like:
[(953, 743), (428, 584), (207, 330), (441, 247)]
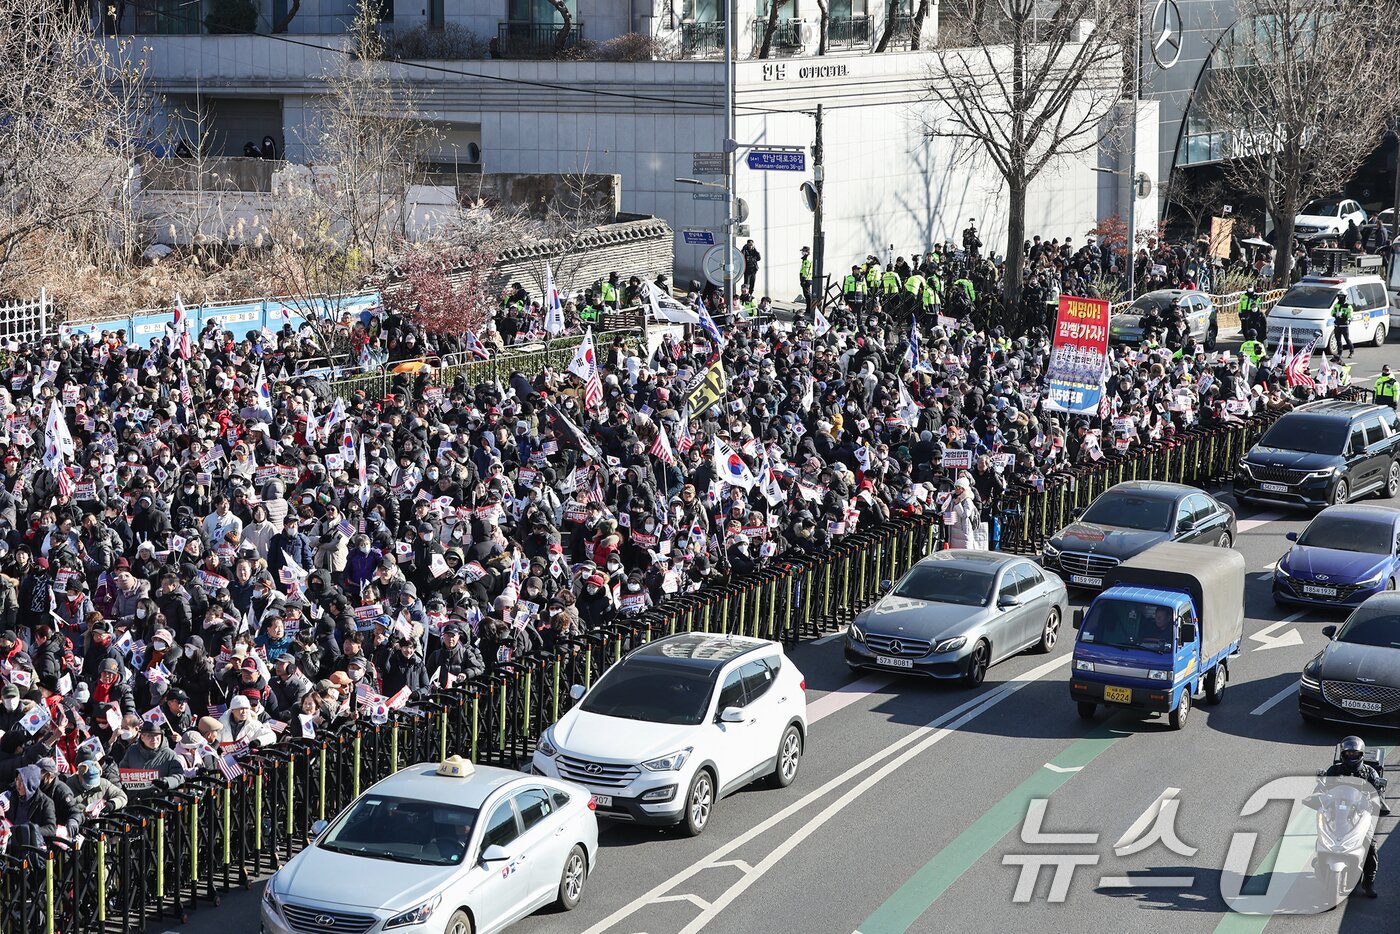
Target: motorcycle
[(1348, 810)]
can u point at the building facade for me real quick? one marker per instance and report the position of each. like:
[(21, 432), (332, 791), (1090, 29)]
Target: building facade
[(502, 102)]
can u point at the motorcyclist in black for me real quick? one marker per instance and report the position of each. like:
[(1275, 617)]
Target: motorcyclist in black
[(1353, 765)]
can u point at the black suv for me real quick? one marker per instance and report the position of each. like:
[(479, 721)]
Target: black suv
[(1323, 453)]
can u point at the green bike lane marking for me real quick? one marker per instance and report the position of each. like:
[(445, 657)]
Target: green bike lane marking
[(927, 885)]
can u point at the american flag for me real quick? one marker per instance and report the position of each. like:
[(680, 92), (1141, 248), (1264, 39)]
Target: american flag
[(1297, 368), (707, 324), (512, 590), (229, 766), (685, 440), (64, 766), (65, 482), (661, 447)]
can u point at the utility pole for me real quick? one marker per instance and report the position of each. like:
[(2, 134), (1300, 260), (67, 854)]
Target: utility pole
[(818, 235), (729, 155), (1130, 175)]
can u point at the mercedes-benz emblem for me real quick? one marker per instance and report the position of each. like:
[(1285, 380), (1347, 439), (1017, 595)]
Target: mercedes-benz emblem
[(325, 920), (1321, 577), (896, 647), (593, 768), (1165, 34)]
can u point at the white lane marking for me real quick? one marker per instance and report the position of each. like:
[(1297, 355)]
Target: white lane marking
[(1147, 882), (1062, 769), (831, 638), (1255, 521), (738, 864), (695, 900), (1272, 564), (1274, 701), (1267, 640), (845, 696), (919, 739), (1133, 835)]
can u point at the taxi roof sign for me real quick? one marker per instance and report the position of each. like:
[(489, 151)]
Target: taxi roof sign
[(456, 767)]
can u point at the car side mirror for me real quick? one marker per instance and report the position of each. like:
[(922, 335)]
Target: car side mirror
[(1079, 618), (1291, 536), (731, 715), (1007, 601), (494, 854), (1329, 631), (576, 692), (886, 586), (1188, 633), (318, 828), (1185, 525), (1078, 512)]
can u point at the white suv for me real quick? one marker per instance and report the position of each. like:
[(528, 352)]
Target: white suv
[(679, 723), (1327, 217)]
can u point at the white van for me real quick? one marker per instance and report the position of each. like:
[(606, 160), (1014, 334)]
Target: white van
[(1306, 311)]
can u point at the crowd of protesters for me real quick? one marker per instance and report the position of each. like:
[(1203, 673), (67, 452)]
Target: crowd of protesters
[(203, 552)]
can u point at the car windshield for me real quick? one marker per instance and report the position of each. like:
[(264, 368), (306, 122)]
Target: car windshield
[(1131, 511), (1145, 303), (1379, 627), (1323, 209), (654, 693), (402, 830), (946, 583), (1307, 433), (1309, 296), (1128, 624), (1349, 534)]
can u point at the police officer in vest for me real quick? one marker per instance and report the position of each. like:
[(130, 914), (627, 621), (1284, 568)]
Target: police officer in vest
[(1385, 387), (610, 291), (1341, 323), (853, 288), (1252, 347), (804, 275), (1250, 314)]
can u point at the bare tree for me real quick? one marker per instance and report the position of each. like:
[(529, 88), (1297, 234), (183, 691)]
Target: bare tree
[(1305, 87), (281, 25), (76, 113), (338, 221), (561, 38), (891, 20), (770, 27), (823, 24), (1028, 91), (1196, 198)]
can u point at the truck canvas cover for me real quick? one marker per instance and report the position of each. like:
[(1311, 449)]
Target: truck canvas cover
[(1214, 577)]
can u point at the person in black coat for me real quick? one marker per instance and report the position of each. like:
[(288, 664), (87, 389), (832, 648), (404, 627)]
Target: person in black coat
[(67, 814), (403, 668), (457, 661), (31, 811), (47, 652)]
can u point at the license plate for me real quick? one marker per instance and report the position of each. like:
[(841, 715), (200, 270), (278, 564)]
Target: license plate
[(603, 801), (1319, 591), (1273, 488), (1118, 695), (1367, 706), (1086, 580), (894, 662)]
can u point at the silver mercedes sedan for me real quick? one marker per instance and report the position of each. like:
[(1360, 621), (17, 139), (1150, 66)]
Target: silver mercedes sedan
[(958, 612)]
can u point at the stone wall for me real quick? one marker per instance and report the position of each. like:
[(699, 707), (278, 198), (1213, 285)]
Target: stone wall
[(643, 247)]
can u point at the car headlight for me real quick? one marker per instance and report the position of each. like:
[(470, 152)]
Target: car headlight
[(415, 915), (1323, 474), (671, 762), (270, 900), (950, 645), (1373, 580), (1244, 467), (1050, 551), (1081, 665), (855, 633), (1159, 674), (1311, 671), (545, 746)]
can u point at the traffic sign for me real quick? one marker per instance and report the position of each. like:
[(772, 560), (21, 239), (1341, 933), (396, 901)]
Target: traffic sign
[(708, 196), (767, 160), (708, 163), (698, 237)]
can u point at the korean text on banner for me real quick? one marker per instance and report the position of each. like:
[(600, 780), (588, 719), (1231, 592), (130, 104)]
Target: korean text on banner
[(1078, 357)]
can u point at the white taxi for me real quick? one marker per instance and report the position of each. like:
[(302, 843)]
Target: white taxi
[(439, 848)]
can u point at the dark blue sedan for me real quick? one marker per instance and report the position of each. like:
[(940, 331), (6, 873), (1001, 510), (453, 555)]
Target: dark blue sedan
[(1346, 554)]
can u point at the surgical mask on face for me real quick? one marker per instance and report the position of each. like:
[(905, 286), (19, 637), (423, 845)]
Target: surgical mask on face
[(633, 588), (126, 734), (189, 651), (356, 674), (364, 549), (140, 612), (592, 591), (11, 703), (159, 645)]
